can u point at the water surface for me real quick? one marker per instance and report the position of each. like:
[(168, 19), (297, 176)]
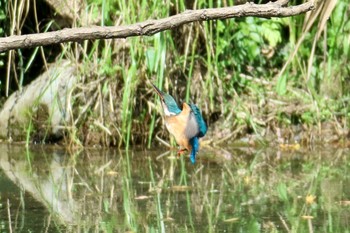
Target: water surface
[(47, 189)]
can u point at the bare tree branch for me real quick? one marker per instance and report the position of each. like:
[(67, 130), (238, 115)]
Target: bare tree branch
[(150, 27)]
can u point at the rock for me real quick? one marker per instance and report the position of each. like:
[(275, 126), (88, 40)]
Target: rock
[(41, 107), (72, 13), (68, 10)]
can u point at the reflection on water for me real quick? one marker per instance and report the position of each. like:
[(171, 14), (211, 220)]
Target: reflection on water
[(233, 190)]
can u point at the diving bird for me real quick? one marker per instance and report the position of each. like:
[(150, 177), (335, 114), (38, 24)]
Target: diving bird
[(186, 125)]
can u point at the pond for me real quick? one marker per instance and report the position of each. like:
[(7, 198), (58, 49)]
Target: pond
[(48, 189)]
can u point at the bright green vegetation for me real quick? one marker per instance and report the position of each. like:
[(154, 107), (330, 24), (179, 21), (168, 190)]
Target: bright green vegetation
[(142, 191), (248, 75)]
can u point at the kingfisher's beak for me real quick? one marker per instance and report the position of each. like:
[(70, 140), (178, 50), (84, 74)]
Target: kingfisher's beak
[(159, 92)]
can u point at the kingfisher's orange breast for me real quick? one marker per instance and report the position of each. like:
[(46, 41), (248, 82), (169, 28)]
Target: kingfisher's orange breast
[(177, 126)]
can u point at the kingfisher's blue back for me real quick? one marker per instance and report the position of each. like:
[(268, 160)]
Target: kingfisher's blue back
[(202, 126), (202, 130)]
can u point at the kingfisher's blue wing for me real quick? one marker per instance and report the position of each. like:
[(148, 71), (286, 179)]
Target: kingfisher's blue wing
[(202, 126)]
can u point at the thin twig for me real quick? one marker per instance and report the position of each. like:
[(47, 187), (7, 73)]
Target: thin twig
[(9, 215), (284, 223), (163, 142), (309, 222)]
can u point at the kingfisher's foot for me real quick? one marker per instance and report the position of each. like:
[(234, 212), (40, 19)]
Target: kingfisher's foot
[(181, 151)]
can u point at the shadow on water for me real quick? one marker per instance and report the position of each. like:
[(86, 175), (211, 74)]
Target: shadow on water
[(45, 189)]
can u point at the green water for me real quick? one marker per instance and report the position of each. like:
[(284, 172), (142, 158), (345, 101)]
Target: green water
[(46, 189)]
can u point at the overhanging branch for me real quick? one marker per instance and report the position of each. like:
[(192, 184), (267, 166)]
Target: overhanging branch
[(150, 27)]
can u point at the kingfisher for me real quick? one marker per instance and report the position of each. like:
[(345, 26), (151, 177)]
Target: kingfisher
[(186, 125)]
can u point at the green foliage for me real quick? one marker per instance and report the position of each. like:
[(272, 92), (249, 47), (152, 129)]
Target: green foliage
[(3, 18)]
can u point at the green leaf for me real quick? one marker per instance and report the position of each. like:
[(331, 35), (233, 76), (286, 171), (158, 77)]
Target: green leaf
[(282, 191), (220, 26), (271, 32), (281, 87), (150, 59)]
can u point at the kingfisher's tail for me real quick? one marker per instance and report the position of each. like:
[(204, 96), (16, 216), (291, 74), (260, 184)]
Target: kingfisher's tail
[(195, 147)]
